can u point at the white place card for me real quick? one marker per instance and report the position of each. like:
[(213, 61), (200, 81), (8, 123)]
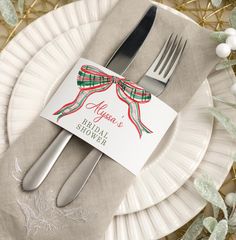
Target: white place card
[(111, 113)]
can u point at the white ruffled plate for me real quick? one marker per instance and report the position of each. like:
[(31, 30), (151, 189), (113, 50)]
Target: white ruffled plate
[(172, 164), (176, 209)]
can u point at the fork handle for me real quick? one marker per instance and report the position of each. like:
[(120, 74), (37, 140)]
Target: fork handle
[(78, 179), (41, 168)]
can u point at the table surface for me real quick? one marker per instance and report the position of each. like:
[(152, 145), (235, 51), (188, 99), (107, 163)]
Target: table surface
[(199, 10)]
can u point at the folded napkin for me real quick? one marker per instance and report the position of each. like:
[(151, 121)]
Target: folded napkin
[(34, 215)]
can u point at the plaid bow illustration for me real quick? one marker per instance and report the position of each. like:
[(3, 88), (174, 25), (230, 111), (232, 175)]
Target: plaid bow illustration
[(92, 80)]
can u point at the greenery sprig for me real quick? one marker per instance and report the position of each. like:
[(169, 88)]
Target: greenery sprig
[(217, 3), (221, 37), (8, 11), (216, 227)]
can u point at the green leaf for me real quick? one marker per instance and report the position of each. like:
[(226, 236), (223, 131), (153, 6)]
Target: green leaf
[(231, 229), (234, 157), (8, 12), (21, 4), (219, 36), (233, 105), (216, 211), (206, 188), (225, 121), (216, 3), (232, 18), (225, 64), (195, 229), (220, 231), (209, 223), (232, 220)]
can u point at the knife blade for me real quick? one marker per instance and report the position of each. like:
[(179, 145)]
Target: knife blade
[(119, 62)]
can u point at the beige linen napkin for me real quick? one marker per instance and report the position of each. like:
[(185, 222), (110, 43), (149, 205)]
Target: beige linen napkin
[(34, 215)]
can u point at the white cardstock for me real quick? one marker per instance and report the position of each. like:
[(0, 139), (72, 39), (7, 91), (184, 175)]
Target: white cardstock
[(111, 113)]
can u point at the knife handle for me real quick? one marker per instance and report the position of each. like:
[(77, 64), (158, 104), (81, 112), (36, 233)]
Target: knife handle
[(41, 168), (78, 179)]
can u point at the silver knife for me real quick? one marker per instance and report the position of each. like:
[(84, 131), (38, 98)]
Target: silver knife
[(119, 62)]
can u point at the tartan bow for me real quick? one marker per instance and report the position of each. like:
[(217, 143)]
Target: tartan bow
[(92, 80)]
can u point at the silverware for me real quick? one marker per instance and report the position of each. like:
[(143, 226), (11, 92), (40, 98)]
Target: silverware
[(158, 75), (119, 62), (155, 80)]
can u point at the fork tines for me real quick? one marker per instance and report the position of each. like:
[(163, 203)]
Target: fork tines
[(158, 75), (170, 55)]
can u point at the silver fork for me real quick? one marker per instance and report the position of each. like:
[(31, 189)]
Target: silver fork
[(155, 81), (158, 75)]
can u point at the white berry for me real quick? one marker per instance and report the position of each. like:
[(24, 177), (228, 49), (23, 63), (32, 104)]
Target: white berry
[(223, 50), (230, 31), (233, 89), (230, 199), (231, 41)]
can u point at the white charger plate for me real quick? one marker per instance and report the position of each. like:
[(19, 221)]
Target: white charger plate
[(188, 139), (180, 207), (170, 165), (157, 216)]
